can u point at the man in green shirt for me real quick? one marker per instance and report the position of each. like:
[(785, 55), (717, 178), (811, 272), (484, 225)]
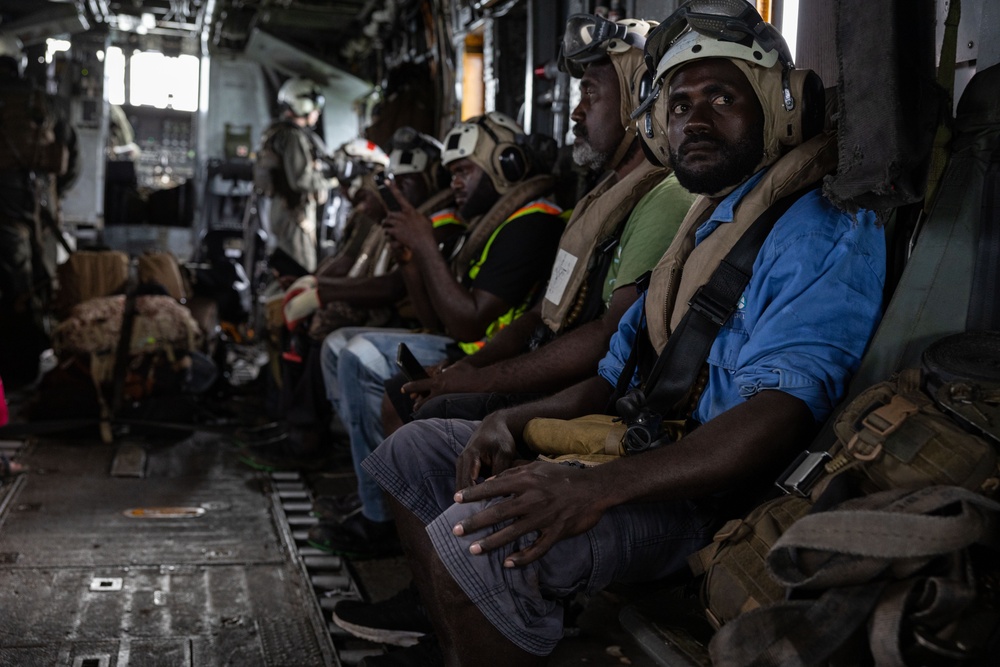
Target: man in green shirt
[(618, 231)]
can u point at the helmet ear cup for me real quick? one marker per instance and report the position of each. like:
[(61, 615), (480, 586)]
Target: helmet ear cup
[(814, 100), (810, 113), (652, 131), (645, 86), (644, 123), (651, 156), (511, 161)]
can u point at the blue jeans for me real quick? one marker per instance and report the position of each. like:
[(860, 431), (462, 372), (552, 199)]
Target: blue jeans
[(356, 361)]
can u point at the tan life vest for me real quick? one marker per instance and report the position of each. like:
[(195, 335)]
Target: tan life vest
[(596, 217), (684, 268)]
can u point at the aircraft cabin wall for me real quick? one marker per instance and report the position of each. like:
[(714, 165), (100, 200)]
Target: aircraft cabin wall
[(978, 40), (518, 42), (80, 76)]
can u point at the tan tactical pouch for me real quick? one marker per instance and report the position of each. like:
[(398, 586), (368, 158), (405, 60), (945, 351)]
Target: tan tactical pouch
[(591, 439), (735, 563), (894, 436)]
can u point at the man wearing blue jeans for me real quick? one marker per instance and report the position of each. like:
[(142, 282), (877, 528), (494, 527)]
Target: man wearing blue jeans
[(367, 360), (496, 273)]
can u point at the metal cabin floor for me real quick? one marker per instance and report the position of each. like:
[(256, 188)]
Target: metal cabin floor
[(92, 574), (85, 582)]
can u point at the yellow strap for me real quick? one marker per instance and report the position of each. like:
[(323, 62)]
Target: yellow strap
[(495, 326)]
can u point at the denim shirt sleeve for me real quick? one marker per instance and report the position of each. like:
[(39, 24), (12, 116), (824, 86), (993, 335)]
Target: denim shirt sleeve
[(805, 319), (620, 347), (807, 315)]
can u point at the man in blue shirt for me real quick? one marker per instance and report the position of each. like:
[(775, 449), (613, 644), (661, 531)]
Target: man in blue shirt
[(495, 548), (785, 334)]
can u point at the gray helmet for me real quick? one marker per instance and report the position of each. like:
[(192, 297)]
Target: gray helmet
[(412, 151), (11, 47)]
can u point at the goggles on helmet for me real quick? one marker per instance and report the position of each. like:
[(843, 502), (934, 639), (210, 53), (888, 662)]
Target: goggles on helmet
[(589, 37), (408, 161), (724, 20), (407, 138), (713, 29)]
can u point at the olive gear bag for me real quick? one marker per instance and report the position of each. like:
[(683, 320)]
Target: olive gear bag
[(894, 578), (895, 437), (734, 565), (923, 444)]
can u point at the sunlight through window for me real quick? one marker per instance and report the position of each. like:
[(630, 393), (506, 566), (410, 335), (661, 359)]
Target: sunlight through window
[(114, 73), (790, 24), (54, 46), (164, 82)]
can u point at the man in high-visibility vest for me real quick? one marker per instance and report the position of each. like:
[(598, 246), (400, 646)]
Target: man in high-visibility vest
[(501, 185)]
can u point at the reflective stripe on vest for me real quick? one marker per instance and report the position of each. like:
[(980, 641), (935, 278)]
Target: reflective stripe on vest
[(495, 326), (539, 206), (446, 217)]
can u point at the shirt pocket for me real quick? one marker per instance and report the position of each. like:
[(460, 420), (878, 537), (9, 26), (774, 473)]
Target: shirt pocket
[(726, 348)]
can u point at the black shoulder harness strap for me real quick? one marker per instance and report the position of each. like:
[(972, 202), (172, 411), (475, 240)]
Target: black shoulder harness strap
[(676, 369)]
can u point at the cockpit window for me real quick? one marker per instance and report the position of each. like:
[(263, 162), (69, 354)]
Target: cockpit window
[(153, 79)]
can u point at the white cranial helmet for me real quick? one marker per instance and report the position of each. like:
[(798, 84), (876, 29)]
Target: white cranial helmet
[(732, 30), (357, 157), (302, 96)]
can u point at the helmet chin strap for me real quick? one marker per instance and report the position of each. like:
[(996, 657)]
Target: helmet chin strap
[(623, 149)]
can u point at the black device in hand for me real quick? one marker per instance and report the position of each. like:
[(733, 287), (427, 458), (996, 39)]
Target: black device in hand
[(285, 264), (381, 182), (409, 365)]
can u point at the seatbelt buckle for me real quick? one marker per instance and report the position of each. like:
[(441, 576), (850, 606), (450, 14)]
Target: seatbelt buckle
[(801, 475), (607, 245), (642, 282), (707, 304)]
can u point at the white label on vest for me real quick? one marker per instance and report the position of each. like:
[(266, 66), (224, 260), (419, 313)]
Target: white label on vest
[(559, 278)]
